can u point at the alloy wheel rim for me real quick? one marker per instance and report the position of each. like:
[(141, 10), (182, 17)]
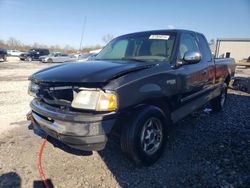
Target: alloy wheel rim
[(151, 137)]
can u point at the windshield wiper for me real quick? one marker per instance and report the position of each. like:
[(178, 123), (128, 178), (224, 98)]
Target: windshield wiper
[(133, 59), (124, 58)]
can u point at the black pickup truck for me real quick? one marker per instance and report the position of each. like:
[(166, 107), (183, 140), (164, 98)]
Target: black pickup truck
[(33, 54), (137, 86)]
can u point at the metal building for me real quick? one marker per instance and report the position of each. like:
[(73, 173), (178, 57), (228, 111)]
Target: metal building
[(237, 48)]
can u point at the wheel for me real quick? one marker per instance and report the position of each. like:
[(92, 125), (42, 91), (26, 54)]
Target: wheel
[(5, 58), (218, 103), (29, 59), (50, 60), (143, 138)]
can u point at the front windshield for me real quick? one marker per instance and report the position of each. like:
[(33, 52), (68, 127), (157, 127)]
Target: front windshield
[(53, 54), (31, 51), (153, 47)]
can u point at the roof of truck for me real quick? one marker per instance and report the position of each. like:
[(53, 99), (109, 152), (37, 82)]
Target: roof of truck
[(161, 31)]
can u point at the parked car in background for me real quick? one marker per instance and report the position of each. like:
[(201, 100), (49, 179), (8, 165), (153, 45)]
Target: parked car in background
[(75, 55), (33, 54), (55, 57), (138, 86), (14, 52), (86, 57), (3, 54), (43, 57)]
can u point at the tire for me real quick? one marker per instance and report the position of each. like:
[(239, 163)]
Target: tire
[(218, 103), (29, 59), (5, 58), (49, 60), (147, 125)]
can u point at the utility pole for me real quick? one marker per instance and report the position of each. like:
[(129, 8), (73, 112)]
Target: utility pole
[(83, 30)]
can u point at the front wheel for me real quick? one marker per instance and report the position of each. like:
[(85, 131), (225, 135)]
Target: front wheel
[(218, 103), (5, 58), (50, 60), (143, 138), (29, 59)]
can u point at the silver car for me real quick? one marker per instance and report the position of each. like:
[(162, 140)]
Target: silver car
[(55, 57)]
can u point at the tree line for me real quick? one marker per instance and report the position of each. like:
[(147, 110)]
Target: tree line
[(14, 44)]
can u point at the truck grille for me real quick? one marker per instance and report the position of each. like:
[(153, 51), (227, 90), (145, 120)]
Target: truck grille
[(56, 96)]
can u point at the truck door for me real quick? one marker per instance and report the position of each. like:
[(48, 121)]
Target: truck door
[(207, 59), (194, 77)]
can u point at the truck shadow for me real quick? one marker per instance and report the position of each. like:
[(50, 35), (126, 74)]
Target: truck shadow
[(10, 179), (194, 153), (68, 149), (58, 144)]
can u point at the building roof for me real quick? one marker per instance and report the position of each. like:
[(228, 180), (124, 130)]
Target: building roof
[(234, 39)]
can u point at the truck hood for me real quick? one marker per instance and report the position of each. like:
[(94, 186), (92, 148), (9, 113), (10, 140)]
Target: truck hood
[(88, 72)]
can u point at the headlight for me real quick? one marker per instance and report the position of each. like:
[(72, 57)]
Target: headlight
[(33, 89), (95, 100)]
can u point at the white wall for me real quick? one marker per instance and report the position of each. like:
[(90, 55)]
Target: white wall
[(237, 49)]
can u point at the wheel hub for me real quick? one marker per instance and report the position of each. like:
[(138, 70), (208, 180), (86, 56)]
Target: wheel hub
[(151, 137)]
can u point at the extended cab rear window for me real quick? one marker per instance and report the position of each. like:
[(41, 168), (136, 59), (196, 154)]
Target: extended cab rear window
[(150, 47)]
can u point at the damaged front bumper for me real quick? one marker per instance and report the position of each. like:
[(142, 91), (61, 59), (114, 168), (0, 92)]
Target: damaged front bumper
[(84, 131)]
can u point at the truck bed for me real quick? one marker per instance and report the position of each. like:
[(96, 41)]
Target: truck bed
[(222, 63)]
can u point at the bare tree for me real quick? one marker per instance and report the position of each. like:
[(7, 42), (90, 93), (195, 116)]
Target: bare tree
[(13, 43), (107, 38), (36, 45), (212, 42), (2, 44)]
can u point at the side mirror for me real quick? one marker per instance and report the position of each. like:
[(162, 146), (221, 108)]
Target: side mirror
[(191, 57)]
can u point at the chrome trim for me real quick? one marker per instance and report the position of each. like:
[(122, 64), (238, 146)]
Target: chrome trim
[(192, 57)]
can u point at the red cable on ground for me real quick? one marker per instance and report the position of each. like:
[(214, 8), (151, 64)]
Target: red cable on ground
[(40, 168)]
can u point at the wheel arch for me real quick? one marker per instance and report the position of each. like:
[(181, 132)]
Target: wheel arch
[(227, 80), (161, 102)]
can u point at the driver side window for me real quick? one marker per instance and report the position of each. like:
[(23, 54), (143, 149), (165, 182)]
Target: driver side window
[(187, 43)]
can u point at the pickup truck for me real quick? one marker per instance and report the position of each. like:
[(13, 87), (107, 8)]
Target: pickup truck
[(33, 54), (137, 86)]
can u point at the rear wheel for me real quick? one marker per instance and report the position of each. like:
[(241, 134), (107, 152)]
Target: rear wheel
[(218, 103), (143, 138)]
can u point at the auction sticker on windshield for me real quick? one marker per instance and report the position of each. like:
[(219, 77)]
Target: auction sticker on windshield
[(159, 37)]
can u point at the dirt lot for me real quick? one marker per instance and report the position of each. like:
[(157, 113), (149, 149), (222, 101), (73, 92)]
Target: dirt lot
[(203, 150)]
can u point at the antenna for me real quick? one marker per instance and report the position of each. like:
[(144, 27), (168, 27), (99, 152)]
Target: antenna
[(83, 30)]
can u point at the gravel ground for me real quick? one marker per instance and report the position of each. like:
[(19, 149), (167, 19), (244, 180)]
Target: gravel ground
[(203, 150)]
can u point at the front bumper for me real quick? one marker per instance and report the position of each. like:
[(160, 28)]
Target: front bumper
[(22, 58), (84, 131), (43, 60)]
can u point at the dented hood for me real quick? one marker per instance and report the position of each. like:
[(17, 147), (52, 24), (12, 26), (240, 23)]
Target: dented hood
[(88, 72)]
